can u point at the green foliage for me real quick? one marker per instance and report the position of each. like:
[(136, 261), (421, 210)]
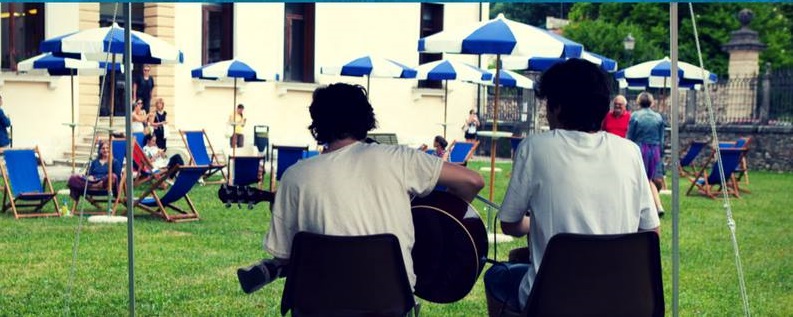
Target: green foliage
[(649, 25), (529, 13), (188, 269)]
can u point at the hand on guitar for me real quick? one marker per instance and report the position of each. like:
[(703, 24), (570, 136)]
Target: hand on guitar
[(231, 194)]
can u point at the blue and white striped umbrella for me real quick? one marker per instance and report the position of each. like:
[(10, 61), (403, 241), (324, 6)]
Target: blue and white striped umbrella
[(500, 36), (658, 73), (63, 66), (371, 66), (95, 44), (232, 69), (450, 70), (229, 69), (542, 64), (508, 78)]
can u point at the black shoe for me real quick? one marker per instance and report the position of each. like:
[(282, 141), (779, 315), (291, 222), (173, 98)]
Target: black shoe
[(253, 278), (661, 214)]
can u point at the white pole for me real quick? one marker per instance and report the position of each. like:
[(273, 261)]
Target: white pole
[(675, 161)]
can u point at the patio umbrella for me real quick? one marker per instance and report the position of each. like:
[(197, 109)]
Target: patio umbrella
[(499, 36), (542, 64), (371, 66), (63, 66), (508, 78), (232, 69), (658, 73), (450, 70), (96, 44)]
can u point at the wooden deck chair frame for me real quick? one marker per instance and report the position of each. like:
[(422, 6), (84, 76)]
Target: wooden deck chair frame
[(19, 201), (214, 164), (161, 210), (273, 173), (467, 156), (259, 172), (743, 168), (690, 157), (708, 189)]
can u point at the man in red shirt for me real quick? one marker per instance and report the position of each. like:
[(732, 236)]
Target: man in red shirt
[(616, 121)]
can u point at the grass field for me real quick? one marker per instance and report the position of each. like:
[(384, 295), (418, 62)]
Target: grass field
[(188, 269)]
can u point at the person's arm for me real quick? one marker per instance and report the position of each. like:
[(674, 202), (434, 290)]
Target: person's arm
[(631, 135), (134, 90), (6, 121), (461, 181), (513, 217), (153, 91), (516, 229)]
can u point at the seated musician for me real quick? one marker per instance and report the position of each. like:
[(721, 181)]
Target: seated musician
[(353, 187), (574, 178)]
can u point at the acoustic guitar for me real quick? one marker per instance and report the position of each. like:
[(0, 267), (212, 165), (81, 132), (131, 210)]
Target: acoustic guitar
[(450, 248)]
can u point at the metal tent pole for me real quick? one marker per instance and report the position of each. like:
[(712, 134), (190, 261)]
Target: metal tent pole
[(673, 42), (128, 132)]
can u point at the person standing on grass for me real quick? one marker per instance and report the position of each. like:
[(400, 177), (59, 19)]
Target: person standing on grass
[(646, 129), (353, 187), (574, 178), (616, 121)]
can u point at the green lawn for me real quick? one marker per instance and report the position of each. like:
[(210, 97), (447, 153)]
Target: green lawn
[(188, 269)]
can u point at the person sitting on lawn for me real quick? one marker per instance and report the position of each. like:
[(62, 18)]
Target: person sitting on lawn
[(575, 178), (98, 174), (370, 183)]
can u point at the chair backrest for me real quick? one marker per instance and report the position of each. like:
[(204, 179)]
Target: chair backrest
[(186, 178), (514, 142), (138, 137), (346, 276), (731, 158), (693, 151), (287, 156), (197, 147), (310, 154), (246, 169), (22, 167), (460, 151), (140, 159), (599, 275), (119, 149)]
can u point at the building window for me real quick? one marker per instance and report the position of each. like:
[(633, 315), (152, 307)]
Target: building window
[(299, 42), (431, 23), (106, 14), (22, 31), (217, 42)]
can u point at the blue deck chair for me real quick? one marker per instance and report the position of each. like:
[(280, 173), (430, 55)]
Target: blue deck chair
[(138, 137), (246, 170), (158, 205), (287, 156), (705, 182), (686, 166), (310, 154), (197, 143), (25, 193), (460, 152)]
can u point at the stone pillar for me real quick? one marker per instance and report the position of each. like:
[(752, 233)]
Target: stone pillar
[(744, 48), (765, 106), (88, 100), (159, 19)]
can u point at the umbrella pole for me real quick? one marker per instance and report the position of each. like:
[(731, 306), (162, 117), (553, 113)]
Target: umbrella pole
[(110, 130), (71, 78), (445, 105), (128, 168), (234, 129), (495, 127), (367, 86)]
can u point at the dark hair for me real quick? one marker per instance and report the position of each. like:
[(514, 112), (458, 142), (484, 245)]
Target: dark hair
[(240, 106), (340, 111), (441, 141), (645, 100), (580, 90), (146, 139)]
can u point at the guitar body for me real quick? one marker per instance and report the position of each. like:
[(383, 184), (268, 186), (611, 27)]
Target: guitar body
[(450, 248)]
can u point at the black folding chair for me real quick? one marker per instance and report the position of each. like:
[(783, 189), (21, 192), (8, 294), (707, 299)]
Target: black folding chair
[(347, 276), (599, 275)]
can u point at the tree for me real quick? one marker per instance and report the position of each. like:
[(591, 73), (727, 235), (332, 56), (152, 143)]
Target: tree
[(601, 28), (529, 13)]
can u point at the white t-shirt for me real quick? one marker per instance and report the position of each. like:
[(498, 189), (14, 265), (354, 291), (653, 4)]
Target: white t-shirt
[(576, 182), (360, 189), (153, 153)]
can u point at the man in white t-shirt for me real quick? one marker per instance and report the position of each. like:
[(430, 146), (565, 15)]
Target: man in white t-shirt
[(574, 178), (352, 188)]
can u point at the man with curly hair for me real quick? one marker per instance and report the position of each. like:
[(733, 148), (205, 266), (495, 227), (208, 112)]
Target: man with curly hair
[(353, 187)]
